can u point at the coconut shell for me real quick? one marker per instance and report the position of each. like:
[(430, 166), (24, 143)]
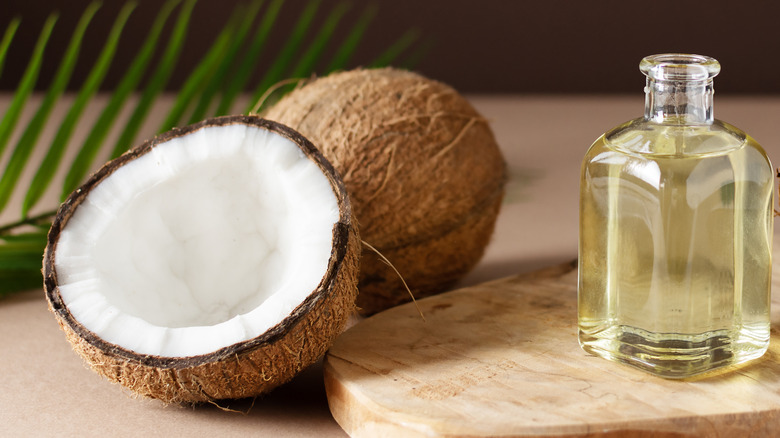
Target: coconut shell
[(244, 369), (422, 169)]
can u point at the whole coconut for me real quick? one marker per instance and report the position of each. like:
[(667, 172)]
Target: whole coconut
[(421, 167)]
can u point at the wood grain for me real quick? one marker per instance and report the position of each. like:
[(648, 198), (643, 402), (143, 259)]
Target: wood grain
[(502, 359)]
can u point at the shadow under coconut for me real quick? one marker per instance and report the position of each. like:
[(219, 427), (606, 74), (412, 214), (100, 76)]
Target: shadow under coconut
[(301, 402)]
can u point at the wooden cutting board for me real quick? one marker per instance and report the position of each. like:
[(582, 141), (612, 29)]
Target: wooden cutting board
[(502, 359)]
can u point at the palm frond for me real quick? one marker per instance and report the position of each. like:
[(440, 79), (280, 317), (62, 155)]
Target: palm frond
[(223, 68), (200, 76), (27, 84), (27, 142), (157, 83), (237, 82), (212, 88), (93, 81), (341, 58), (8, 36), (276, 72), (310, 57), (89, 149), (20, 261)]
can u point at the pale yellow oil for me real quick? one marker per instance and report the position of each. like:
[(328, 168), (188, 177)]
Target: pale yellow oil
[(675, 247)]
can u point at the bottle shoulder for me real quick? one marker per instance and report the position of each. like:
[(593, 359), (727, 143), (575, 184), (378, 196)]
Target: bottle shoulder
[(640, 136)]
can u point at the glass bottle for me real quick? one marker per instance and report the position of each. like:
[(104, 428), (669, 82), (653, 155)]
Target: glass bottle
[(676, 213)]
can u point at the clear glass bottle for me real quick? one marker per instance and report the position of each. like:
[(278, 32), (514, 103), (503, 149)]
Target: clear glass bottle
[(676, 213)]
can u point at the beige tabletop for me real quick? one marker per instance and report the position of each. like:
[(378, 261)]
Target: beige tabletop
[(45, 389)]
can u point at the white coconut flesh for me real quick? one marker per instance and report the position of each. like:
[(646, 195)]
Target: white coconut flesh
[(209, 239)]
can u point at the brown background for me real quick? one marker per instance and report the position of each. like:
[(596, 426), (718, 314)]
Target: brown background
[(486, 46)]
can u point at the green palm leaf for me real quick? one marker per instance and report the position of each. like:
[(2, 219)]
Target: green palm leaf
[(211, 89), (223, 69), (27, 84), (308, 59), (157, 82), (8, 36), (342, 56), (131, 79), (199, 77), (45, 171), (20, 261), (276, 72), (247, 65), (27, 142)]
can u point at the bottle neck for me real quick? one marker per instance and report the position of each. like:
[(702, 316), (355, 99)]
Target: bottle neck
[(679, 102)]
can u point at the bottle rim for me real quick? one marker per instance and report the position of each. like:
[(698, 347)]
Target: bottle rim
[(679, 67)]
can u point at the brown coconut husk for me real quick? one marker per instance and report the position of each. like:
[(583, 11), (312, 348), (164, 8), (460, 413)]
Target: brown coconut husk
[(422, 168), (245, 369)]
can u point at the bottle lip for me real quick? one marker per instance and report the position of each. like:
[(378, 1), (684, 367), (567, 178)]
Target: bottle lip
[(679, 67)]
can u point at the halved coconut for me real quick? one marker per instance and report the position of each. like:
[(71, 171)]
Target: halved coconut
[(213, 261)]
